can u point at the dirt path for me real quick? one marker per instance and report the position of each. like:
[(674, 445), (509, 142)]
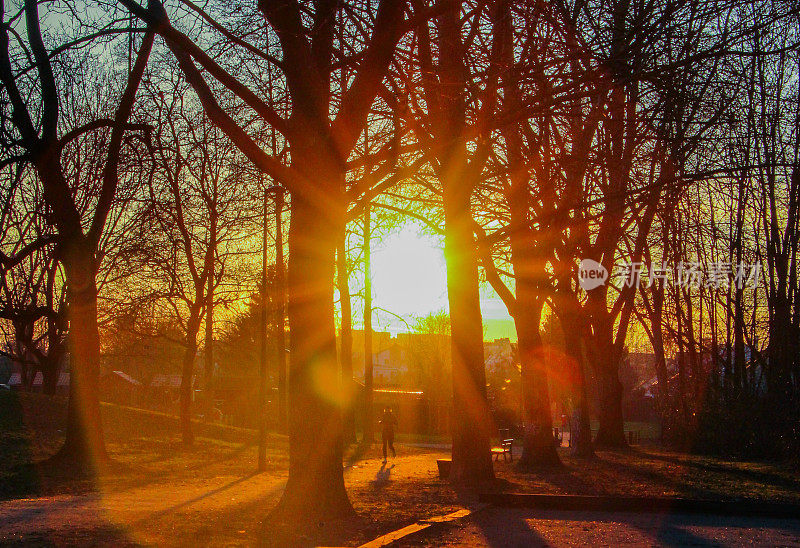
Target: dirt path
[(148, 514), (226, 509), (210, 497)]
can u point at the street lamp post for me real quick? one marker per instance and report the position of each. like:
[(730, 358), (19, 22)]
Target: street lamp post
[(262, 370), (280, 312), (280, 309)]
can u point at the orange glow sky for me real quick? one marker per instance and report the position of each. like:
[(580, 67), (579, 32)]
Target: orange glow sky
[(408, 276)]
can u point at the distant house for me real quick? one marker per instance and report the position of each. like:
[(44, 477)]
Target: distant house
[(62, 385), (753, 366), (404, 360), (167, 382), (389, 366), (389, 359), (15, 381), (119, 387), (164, 390), (6, 369)]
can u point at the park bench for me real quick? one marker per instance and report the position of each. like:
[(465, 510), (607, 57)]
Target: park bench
[(558, 437), (504, 449)]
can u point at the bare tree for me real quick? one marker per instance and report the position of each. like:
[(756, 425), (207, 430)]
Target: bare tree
[(31, 290), (319, 147), (195, 211), (455, 119), (34, 124)]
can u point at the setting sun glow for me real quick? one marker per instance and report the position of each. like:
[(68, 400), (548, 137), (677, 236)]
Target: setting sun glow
[(409, 280), (408, 276)]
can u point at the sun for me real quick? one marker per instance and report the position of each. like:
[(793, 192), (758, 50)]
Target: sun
[(408, 276), (409, 281)]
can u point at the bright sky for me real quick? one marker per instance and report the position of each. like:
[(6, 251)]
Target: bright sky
[(409, 280)]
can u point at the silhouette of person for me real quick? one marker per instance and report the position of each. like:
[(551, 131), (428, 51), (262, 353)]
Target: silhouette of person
[(388, 423)]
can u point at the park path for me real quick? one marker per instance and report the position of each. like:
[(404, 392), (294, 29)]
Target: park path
[(506, 527), (227, 509), (219, 510)]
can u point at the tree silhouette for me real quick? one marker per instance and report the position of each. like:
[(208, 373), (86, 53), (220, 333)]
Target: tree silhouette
[(39, 141)]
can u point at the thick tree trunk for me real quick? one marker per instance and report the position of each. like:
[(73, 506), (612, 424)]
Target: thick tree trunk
[(315, 488), (527, 258), (662, 374), (611, 433), (187, 372), (51, 371), (346, 339), (580, 423), (85, 443), (605, 361), (778, 373), (471, 419), (539, 447)]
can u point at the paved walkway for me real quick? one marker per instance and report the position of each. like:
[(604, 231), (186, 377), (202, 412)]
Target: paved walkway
[(499, 527)]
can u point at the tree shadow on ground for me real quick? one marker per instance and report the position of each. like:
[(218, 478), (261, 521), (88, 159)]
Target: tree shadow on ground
[(509, 527), (682, 482), (497, 528), (564, 478), (666, 528), (110, 535), (46, 477), (356, 452), (514, 532), (658, 480), (211, 493), (770, 478), (634, 473)]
